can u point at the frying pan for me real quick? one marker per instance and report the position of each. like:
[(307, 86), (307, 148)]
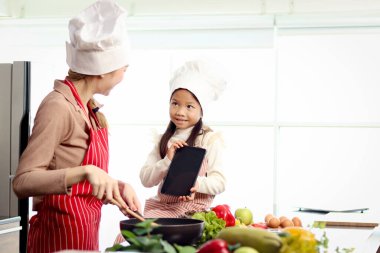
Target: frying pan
[(182, 231)]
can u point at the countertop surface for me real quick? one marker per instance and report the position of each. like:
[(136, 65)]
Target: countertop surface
[(363, 240), (6, 220)]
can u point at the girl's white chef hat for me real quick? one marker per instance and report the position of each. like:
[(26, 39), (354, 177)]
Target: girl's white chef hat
[(203, 79), (98, 39)]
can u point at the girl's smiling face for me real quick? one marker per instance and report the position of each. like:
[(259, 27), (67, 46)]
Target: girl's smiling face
[(185, 110)]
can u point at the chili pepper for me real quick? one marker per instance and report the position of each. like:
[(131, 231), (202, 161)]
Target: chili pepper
[(223, 212), (259, 225), (214, 246)]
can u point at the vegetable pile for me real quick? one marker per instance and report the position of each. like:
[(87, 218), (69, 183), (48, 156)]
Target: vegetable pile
[(225, 232)]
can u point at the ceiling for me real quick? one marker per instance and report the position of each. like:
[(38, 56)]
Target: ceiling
[(67, 8)]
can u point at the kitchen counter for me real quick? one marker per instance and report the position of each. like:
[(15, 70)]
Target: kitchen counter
[(362, 239), (7, 220), (9, 234)]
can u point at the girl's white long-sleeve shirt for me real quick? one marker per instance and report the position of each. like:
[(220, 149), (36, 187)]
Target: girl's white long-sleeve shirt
[(155, 168)]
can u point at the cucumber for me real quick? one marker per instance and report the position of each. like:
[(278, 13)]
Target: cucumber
[(259, 239)]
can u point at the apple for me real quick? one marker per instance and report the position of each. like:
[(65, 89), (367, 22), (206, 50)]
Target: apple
[(244, 215), (245, 249)]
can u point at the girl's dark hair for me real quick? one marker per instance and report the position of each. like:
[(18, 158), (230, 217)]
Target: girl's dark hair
[(170, 130), (74, 76)]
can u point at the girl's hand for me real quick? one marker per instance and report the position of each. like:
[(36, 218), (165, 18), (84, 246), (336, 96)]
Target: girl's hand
[(191, 197), (172, 149), (104, 187), (129, 196)]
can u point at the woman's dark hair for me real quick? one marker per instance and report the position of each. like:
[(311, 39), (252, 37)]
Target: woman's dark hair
[(170, 130)]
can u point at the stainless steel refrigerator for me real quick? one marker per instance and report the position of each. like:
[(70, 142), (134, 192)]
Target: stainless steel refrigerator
[(14, 134)]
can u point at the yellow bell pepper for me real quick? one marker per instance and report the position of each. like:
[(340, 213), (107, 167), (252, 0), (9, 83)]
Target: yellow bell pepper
[(299, 240)]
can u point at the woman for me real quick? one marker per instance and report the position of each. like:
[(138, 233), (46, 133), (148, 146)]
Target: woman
[(65, 164)]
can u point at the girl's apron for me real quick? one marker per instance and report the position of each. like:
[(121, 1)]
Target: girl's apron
[(169, 206), (72, 221)]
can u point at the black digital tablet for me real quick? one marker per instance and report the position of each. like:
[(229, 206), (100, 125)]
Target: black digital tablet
[(183, 171)]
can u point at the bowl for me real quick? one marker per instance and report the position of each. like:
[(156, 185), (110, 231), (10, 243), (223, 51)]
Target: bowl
[(182, 231)]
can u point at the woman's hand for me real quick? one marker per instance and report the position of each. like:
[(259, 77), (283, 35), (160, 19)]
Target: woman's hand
[(191, 197), (104, 187), (172, 149), (129, 196)]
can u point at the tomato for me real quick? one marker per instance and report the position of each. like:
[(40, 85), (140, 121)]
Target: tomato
[(214, 246)]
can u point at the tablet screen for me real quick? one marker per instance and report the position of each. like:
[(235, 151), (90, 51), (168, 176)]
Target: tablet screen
[(183, 171)]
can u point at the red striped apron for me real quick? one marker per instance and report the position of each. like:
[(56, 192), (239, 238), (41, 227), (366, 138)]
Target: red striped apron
[(72, 221)]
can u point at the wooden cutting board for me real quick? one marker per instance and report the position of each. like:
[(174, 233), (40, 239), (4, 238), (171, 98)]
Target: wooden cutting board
[(350, 224), (350, 220)]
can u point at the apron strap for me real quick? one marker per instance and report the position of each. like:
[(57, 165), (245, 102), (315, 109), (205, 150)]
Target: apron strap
[(80, 103)]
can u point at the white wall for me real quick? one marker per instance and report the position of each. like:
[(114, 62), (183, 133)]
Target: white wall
[(300, 116), (57, 8)]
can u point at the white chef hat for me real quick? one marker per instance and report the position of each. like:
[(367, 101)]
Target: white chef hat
[(98, 39), (203, 78)]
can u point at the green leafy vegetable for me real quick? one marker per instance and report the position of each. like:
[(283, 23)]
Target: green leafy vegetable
[(212, 225), (142, 240), (323, 242), (185, 249), (344, 250), (319, 224)]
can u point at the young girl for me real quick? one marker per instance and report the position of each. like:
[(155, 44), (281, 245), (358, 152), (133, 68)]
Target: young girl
[(192, 87)]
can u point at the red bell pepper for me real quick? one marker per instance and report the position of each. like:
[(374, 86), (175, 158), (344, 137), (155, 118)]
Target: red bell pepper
[(223, 212), (214, 246)]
